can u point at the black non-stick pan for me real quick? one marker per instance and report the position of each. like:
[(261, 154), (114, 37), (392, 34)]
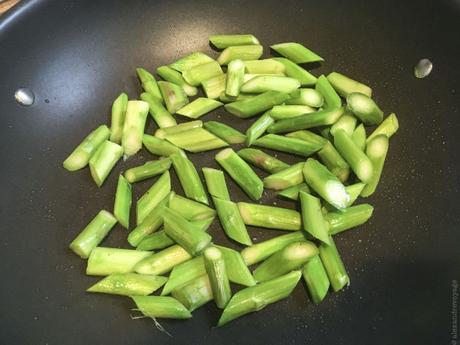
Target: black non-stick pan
[(77, 56)]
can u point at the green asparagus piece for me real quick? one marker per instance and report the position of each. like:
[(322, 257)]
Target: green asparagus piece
[(357, 159), (262, 160), (241, 173), (190, 61), (309, 97), (334, 266), (280, 112), (258, 127), (326, 184), (189, 209), (331, 98), (347, 122), (133, 129), (312, 217), (215, 181), (237, 270), (225, 132), (359, 137), (149, 84), (158, 112), (123, 200), (195, 294), (185, 233), (354, 190), (296, 52), (292, 192), (326, 133), (345, 85), (260, 251), (93, 234), (217, 273), (157, 192), (199, 107), (173, 95), (105, 261), (224, 41), (196, 140), (285, 178), (291, 257), (348, 218), (189, 178), (388, 127), (215, 86), (118, 117), (182, 127), (162, 262), (288, 144), (171, 75), (309, 137), (257, 104), (161, 307), (376, 150), (265, 66), (151, 223), (334, 161), (295, 71), (320, 118), (80, 157), (248, 76), (203, 224), (129, 284), (235, 77), (184, 273), (147, 170), (269, 216), (257, 297), (159, 147), (228, 99), (243, 52), (364, 108), (199, 73), (316, 279), (231, 221), (264, 83), (155, 241), (103, 161)]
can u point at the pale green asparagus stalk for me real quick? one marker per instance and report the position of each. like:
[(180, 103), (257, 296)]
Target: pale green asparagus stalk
[(171, 75), (265, 66), (195, 294), (231, 221), (154, 195), (345, 85), (242, 52), (309, 97), (147, 170), (376, 150), (133, 129), (196, 140), (316, 279), (214, 87), (334, 161), (190, 209), (262, 160), (296, 52), (217, 273), (199, 107), (189, 61), (348, 218), (123, 200), (257, 104), (215, 181), (225, 132), (388, 127), (162, 262), (128, 284), (285, 178), (331, 98), (182, 127), (105, 261), (158, 112), (173, 95), (149, 84), (118, 117), (280, 112), (291, 145), (269, 216), (293, 70), (93, 234), (364, 108), (200, 73), (161, 307), (334, 266), (359, 137), (103, 161), (157, 240), (237, 270), (80, 157), (312, 217), (224, 41), (235, 77), (257, 297), (264, 83), (258, 128), (183, 274), (347, 122), (292, 193)]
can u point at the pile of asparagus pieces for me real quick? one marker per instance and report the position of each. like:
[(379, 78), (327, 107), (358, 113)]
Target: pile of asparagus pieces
[(300, 114)]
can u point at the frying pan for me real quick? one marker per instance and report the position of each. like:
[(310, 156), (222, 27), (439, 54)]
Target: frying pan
[(77, 56)]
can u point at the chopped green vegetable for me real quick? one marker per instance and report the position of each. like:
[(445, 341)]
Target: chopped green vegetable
[(295, 71), (334, 266), (190, 209), (189, 178), (309, 97), (159, 147), (196, 140), (224, 41), (217, 273), (345, 85), (316, 279), (225, 132), (347, 122), (184, 273), (262, 160), (288, 144), (162, 262), (334, 161), (215, 86), (93, 234), (312, 217), (128, 284), (265, 83), (231, 221), (286, 178), (257, 104), (161, 307), (292, 192), (149, 84), (269, 216), (200, 73), (296, 52), (259, 127), (331, 98), (215, 181), (199, 107), (359, 137), (103, 161), (235, 77), (364, 108), (194, 294), (158, 112), (147, 170), (280, 112), (123, 200), (171, 75), (348, 218), (118, 117), (182, 127), (265, 66), (237, 270), (376, 150), (246, 52), (80, 157), (241, 173), (257, 297), (173, 95), (155, 241), (388, 127), (133, 129), (190, 61), (105, 261), (157, 192)]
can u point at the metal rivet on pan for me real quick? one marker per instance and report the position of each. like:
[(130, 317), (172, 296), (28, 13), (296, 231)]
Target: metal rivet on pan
[(423, 68), (24, 96)]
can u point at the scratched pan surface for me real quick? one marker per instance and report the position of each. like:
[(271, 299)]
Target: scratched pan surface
[(77, 56)]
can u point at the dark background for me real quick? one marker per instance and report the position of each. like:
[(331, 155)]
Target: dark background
[(79, 55)]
